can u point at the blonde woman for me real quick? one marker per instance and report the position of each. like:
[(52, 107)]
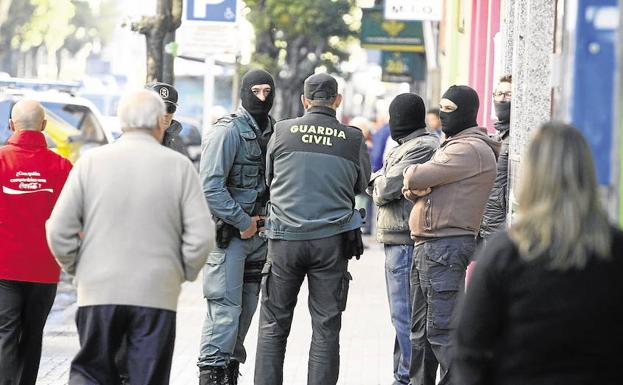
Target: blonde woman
[(545, 302)]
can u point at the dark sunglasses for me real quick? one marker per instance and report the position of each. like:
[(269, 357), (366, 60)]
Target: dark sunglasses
[(171, 108)]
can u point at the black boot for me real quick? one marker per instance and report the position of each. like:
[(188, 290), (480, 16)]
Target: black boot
[(233, 370), (214, 375)]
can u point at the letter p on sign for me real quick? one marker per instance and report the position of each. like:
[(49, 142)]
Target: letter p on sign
[(200, 9)]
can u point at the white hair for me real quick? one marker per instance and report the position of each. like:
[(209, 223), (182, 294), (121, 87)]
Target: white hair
[(141, 109)]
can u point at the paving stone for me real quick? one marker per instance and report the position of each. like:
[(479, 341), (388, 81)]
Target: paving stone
[(367, 336)]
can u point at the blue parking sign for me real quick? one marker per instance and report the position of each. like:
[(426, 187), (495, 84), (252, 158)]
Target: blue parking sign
[(219, 11)]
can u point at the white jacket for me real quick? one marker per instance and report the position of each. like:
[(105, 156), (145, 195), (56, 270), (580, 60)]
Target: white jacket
[(146, 224)]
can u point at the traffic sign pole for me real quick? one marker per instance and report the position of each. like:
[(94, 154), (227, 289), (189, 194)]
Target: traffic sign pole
[(209, 28), (208, 91)]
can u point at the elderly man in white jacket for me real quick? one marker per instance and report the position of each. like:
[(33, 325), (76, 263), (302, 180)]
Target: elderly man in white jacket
[(132, 225)]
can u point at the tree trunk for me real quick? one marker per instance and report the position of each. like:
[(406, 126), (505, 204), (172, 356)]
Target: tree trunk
[(155, 28), (168, 60), (8, 62), (33, 71), (154, 56), (168, 70), (288, 101)]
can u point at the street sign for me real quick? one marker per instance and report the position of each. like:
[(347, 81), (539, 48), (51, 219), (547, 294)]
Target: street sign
[(413, 10), (207, 39), (402, 67), (209, 27), (390, 35), (213, 11)]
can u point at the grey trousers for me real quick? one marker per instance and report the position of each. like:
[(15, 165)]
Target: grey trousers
[(288, 263), (437, 279), (231, 302)]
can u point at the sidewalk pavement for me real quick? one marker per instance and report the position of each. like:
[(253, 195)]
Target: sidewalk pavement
[(367, 337)]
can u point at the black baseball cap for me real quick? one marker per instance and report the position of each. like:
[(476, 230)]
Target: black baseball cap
[(320, 87), (167, 92)]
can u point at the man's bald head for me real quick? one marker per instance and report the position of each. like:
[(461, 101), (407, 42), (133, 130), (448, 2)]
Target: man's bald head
[(27, 115)]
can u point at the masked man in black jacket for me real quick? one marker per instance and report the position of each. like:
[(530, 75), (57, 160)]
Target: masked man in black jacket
[(494, 217)]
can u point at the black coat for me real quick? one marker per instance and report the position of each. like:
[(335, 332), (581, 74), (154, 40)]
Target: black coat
[(523, 323), (494, 216), (173, 140)]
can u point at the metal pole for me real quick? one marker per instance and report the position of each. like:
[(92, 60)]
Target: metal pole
[(208, 91), (235, 85)]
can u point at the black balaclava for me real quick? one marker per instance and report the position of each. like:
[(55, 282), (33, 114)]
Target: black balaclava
[(406, 114), (503, 112), (466, 100), (257, 108)]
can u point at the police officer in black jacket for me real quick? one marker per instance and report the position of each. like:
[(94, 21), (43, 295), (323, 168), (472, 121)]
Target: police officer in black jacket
[(315, 166), (171, 138)]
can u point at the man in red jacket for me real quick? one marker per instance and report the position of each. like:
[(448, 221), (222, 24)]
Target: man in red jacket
[(31, 178)]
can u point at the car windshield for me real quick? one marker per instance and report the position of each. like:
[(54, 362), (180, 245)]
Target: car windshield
[(5, 130), (107, 104), (80, 117)]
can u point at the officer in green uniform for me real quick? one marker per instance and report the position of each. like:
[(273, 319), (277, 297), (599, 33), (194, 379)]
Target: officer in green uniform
[(232, 173), (315, 167)]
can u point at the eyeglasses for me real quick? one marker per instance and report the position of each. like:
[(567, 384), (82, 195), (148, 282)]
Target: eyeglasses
[(503, 95), (171, 108)]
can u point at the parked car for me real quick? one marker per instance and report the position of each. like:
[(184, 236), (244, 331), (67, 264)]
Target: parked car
[(74, 123), (106, 102), (112, 124), (191, 136)]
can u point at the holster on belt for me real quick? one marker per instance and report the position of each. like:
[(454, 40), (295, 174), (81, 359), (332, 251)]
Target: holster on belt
[(224, 233), (352, 242), (253, 271)]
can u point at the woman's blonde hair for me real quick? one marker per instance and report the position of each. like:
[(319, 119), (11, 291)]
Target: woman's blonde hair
[(560, 219)]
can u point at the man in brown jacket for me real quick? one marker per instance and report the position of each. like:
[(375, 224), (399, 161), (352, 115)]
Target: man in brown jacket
[(450, 192)]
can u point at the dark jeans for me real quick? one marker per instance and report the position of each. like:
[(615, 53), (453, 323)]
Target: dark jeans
[(437, 278), (24, 308), (150, 335), (326, 269)]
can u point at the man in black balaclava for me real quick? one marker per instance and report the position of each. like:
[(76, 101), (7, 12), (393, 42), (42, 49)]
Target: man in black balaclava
[(415, 145), (458, 109), (449, 194), (257, 95), (233, 160), (406, 115), (494, 218)]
